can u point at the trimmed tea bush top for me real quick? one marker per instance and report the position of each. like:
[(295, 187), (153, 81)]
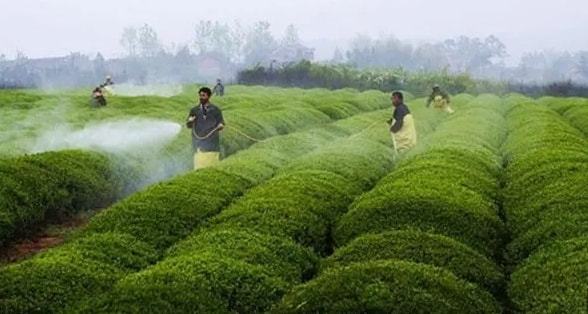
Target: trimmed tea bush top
[(387, 287), (553, 279), (545, 203), (420, 247), (53, 185)]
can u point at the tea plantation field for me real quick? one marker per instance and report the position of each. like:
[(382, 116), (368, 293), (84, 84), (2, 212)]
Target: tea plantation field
[(310, 210)]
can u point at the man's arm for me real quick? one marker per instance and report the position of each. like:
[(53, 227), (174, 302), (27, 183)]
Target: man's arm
[(220, 119), (430, 100), (399, 120), (397, 126), (191, 119)]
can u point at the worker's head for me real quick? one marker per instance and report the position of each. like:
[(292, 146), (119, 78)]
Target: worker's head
[(397, 98), (204, 94), (218, 81), (436, 87)]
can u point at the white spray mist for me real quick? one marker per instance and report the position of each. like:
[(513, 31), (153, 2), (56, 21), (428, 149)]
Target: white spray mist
[(146, 90), (139, 142)]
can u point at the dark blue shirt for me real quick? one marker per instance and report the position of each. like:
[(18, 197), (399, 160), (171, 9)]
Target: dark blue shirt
[(207, 119), (399, 113)]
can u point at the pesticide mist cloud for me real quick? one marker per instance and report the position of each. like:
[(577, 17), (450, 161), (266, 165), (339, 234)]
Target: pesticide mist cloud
[(147, 90), (113, 137)]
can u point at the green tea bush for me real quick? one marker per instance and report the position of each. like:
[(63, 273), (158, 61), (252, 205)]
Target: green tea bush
[(293, 205), (50, 281), (204, 282), (448, 186), (566, 194), (578, 116), (546, 162), (166, 212), (564, 223), (53, 185), (560, 104), (350, 162), (454, 211), (282, 256), (387, 287), (545, 205), (552, 279), (420, 247)]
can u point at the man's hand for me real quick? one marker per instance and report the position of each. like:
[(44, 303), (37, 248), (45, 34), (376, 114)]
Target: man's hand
[(190, 122), (220, 126)]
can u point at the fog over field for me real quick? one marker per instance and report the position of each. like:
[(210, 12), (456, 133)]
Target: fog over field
[(41, 28)]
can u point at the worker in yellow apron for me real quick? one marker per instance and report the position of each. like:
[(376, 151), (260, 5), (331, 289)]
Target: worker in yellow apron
[(440, 100), (402, 127), (206, 121)]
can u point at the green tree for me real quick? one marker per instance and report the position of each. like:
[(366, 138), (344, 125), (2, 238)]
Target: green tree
[(259, 44), (148, 40), (130, 41)]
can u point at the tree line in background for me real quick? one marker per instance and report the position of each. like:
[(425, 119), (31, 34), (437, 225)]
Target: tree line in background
[(217, 50), (222, 50), (481, 58), (306, 74)]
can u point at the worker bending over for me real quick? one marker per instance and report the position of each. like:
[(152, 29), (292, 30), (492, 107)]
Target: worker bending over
[(440, 100), (98, 99)]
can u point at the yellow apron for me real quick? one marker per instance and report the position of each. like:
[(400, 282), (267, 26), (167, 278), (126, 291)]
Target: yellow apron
[(205, 159), (406, 137), (441, 104)]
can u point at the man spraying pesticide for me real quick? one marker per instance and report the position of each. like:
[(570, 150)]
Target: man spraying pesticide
[(99, 93), (440, 100), (402, 125), (98, 99), (206, 121)]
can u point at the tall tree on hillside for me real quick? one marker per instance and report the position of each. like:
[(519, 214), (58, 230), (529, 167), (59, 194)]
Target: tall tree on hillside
[(130, 41), (361, 51), (259, 44), (291, 49), (429, 57), (338, 57), (218, 39), (183, 55), (99, 66), (21, 57), (366, 52), (149, 44), (467, 54), (582, 65)]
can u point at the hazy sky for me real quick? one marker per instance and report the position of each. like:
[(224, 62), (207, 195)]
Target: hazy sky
[(57, 27)]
